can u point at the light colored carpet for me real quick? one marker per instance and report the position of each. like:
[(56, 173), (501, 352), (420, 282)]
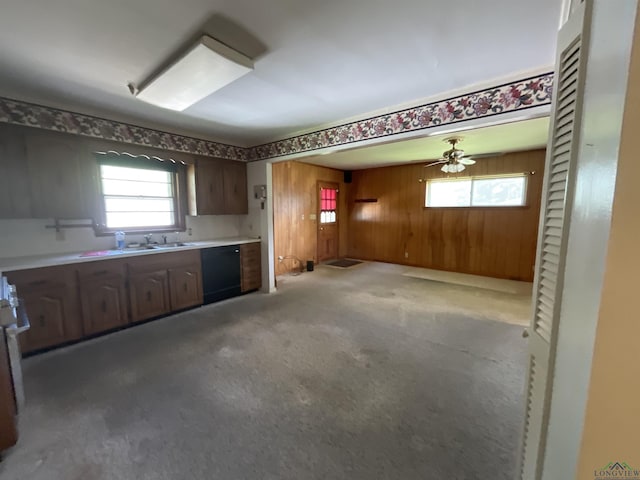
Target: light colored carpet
[(342, 374), (497, 284)]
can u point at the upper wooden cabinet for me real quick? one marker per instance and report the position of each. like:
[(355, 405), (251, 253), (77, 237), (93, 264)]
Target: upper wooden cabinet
[(218, 187), (15, 196), (61, 176)]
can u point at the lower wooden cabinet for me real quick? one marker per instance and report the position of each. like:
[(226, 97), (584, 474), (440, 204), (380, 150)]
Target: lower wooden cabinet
[(163, 283), (104, 304), (149, 295), (250, 263), (50, 296), (103, 295), (185, 286), (8, 423), (66, 303)]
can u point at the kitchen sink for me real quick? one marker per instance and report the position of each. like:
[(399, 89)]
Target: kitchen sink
[(170, 245), (137, 249)]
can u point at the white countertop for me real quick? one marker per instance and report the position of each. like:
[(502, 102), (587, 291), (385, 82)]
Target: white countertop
[(36, 261)]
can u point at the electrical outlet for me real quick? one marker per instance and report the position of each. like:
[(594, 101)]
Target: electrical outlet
[(406, 254), (280, 258)]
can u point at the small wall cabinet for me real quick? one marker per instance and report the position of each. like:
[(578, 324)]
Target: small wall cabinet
[(217, 187)]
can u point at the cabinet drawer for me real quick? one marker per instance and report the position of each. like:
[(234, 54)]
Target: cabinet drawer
[(100, 269), (41, 278), (160, 261)]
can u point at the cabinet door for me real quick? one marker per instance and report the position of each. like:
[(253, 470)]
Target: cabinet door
[(209, 187), (104, 304), (60, 177), (250, 260), (235, 188), (50, 297), (47, 312), (8, 430), (185, 286), (149, 295), (15, 199)]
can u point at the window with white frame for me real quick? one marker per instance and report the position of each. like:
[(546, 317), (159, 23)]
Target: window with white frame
[(485, 191), (138, 195)]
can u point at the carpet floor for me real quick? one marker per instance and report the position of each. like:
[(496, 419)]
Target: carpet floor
[(342, 374)]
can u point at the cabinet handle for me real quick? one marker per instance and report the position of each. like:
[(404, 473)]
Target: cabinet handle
[(189, 274), (184, 287), (100, 272), (210, 188), (148, 296), (41, 320), (38, 282), (104, 306)]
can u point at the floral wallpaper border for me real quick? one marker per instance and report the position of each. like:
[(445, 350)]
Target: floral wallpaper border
[(518, 95), (31, 115), (522, 94)]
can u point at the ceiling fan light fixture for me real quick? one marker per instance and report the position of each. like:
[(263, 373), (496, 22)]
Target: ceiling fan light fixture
[(452, 168), (205, 68)]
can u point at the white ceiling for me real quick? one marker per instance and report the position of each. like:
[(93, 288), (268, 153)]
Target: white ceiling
[(510, 137), (317, 62)]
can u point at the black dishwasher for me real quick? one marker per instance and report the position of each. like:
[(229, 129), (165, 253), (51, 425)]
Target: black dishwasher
[(220, 272)]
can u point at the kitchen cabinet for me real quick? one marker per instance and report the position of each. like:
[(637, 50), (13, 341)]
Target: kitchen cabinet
[(185, 286), (217, 187), (62, 176), (162, 283), (103, 296), (250, 264), (235, 188), (8, 426), (15, 196), (149, 295), (50, 296)]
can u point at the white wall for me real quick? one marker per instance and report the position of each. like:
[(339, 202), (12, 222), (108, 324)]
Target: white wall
[(30, 237), (259, 221)]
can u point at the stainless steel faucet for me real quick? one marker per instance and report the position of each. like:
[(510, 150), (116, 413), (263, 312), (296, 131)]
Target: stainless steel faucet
[(147, 237)]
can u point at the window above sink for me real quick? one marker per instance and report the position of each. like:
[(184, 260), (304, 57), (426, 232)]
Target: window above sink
[(140, 194)]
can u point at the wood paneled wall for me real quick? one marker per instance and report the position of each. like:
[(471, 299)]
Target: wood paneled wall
[(295, 197), (497, 242)]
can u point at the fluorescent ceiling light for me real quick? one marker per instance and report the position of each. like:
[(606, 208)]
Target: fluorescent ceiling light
[(206, 67)]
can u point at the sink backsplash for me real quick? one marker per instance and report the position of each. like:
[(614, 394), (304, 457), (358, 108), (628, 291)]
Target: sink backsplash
[(30, 237)]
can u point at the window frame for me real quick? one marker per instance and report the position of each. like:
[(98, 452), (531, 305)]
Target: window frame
[(143, 162), (472, 178)]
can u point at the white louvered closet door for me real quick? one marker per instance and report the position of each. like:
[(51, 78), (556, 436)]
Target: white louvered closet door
[(557, 194)]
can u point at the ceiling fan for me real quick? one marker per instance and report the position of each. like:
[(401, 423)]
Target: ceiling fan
[(453, 160)]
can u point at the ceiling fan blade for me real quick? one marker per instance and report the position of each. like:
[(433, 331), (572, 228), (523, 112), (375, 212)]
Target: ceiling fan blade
[(432, 164), (486, 155), (466, 161)]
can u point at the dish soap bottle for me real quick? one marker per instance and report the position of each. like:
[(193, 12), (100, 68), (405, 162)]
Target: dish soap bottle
[(120, 240)]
